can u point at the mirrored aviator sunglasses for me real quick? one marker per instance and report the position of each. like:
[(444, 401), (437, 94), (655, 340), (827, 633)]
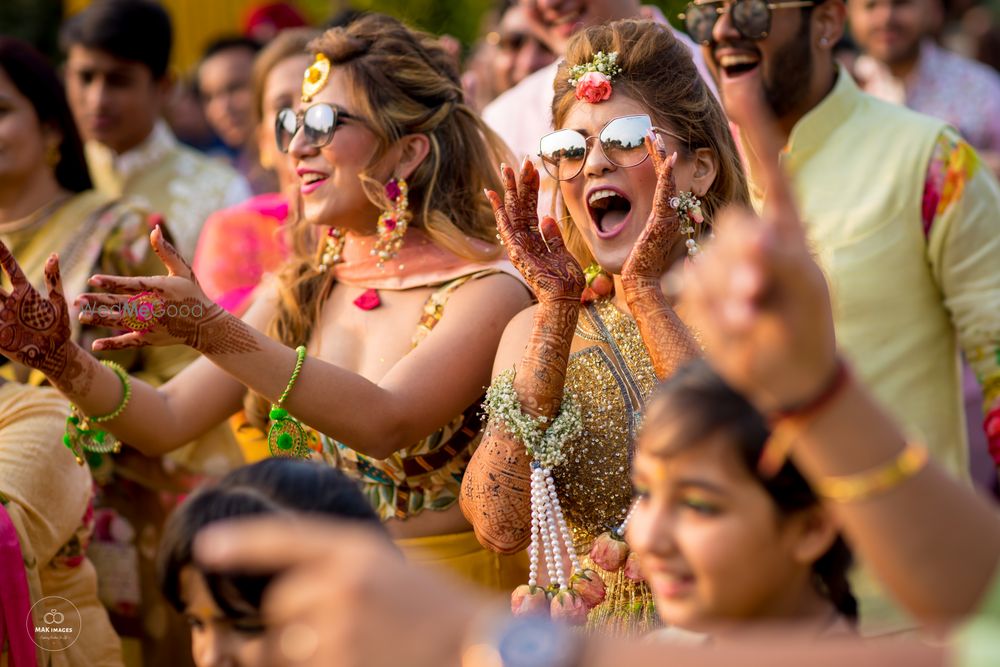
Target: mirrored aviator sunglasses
[(318, 122), (751, 18), (622, 140)]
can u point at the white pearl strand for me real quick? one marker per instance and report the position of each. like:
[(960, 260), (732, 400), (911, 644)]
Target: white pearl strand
[(547, 526), (620, 530)]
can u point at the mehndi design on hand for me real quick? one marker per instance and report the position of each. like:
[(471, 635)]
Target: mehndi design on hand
[(666, 338), (35, 330), (180, 313)]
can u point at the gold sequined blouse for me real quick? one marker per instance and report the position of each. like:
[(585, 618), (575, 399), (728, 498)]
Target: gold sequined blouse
[(610, 380)]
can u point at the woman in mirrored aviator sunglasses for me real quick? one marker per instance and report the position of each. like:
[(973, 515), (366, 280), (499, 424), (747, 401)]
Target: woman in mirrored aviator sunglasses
[(643, 159)]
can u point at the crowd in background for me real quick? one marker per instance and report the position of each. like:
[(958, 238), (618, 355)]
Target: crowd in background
[(863, 293)]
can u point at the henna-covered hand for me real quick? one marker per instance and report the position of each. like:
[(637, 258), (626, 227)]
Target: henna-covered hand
[(172, 309), (537, 250), (668, 341), (34, 330), (651, 255)]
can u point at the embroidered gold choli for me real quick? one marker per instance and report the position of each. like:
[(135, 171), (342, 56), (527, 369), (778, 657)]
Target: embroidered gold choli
[(610, 380)]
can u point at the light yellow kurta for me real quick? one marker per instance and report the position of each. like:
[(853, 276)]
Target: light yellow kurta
[(903, 301), (166, 177), (46, 493)]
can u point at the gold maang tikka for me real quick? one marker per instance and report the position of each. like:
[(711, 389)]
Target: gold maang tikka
[(314, 80), (315, 77)]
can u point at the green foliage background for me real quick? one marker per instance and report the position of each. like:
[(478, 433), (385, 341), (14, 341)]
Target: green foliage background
[(460, 18)]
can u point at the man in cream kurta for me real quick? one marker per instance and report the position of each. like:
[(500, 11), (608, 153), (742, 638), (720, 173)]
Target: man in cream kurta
[(162, 175), (903, 217)]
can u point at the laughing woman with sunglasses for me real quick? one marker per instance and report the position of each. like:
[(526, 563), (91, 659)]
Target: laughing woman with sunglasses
[(644, 159), (380, 340)]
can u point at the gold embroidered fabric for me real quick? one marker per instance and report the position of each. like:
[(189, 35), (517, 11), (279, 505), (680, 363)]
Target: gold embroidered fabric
[(610, 381)]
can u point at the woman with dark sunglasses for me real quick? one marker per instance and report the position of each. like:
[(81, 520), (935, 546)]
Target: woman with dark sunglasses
[(644, 158), (399, 308)]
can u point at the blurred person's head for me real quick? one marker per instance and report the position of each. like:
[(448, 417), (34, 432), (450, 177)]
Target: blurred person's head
[(277, 85), (556, 21), (518, 51), (223, 609), (658, 79), (38, 137), (116, 70), (718, 543), (793, 59), (890, 31), (225, 88), (263, 23)]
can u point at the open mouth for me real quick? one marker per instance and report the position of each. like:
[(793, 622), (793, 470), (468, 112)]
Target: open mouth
[(609, 210), (738, 64)]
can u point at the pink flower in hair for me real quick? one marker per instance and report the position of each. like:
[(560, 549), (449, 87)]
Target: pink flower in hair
[(593, 87)]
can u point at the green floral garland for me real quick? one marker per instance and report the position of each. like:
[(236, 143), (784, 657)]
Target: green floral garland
[(545, 445)]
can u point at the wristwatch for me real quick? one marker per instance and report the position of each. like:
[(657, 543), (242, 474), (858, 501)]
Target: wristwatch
[(526, 641)]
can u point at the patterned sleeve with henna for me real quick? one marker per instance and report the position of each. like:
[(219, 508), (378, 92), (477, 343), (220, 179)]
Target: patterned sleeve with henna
[(496, 489), (669, 342)]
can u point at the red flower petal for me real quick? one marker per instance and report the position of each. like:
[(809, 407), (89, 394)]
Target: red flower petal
[(369, 300)]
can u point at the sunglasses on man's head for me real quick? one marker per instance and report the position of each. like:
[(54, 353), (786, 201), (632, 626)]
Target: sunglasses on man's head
[(318, 122), (622, 140), (751, 18)]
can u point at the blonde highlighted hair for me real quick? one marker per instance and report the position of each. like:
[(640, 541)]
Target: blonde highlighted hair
[(403, 82), (657, 70)]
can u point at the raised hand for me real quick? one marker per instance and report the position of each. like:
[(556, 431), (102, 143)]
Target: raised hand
[(650, 256), (34, 330), (537, 250), (163, 310)]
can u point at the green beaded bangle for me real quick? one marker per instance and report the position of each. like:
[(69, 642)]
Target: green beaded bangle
[(286, 437), (300, 352), (126, 393), (80, 438)]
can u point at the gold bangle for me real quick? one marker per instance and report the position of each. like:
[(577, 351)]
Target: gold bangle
[(864, 485)]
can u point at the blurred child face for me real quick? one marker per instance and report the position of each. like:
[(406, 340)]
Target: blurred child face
[(218, 640), (710, 540)]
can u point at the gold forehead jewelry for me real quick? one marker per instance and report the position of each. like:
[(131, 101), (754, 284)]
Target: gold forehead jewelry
[(315, 77)]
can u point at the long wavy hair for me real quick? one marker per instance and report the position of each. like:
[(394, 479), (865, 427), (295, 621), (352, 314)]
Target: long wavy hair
[(657, 70), (403, 82)]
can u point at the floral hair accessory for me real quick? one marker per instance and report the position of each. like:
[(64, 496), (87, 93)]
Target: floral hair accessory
[(593, 79), (314, 79)]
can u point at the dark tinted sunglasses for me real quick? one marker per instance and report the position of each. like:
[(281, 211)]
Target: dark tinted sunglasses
[(318, 122), (622, 140), (751, 18)]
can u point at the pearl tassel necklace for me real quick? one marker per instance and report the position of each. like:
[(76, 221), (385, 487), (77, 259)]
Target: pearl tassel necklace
[(550, 536)]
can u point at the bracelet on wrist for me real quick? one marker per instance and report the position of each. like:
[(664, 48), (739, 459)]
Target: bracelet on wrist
[(875, 481), (788, 423), (81, 437), (286, 437)]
